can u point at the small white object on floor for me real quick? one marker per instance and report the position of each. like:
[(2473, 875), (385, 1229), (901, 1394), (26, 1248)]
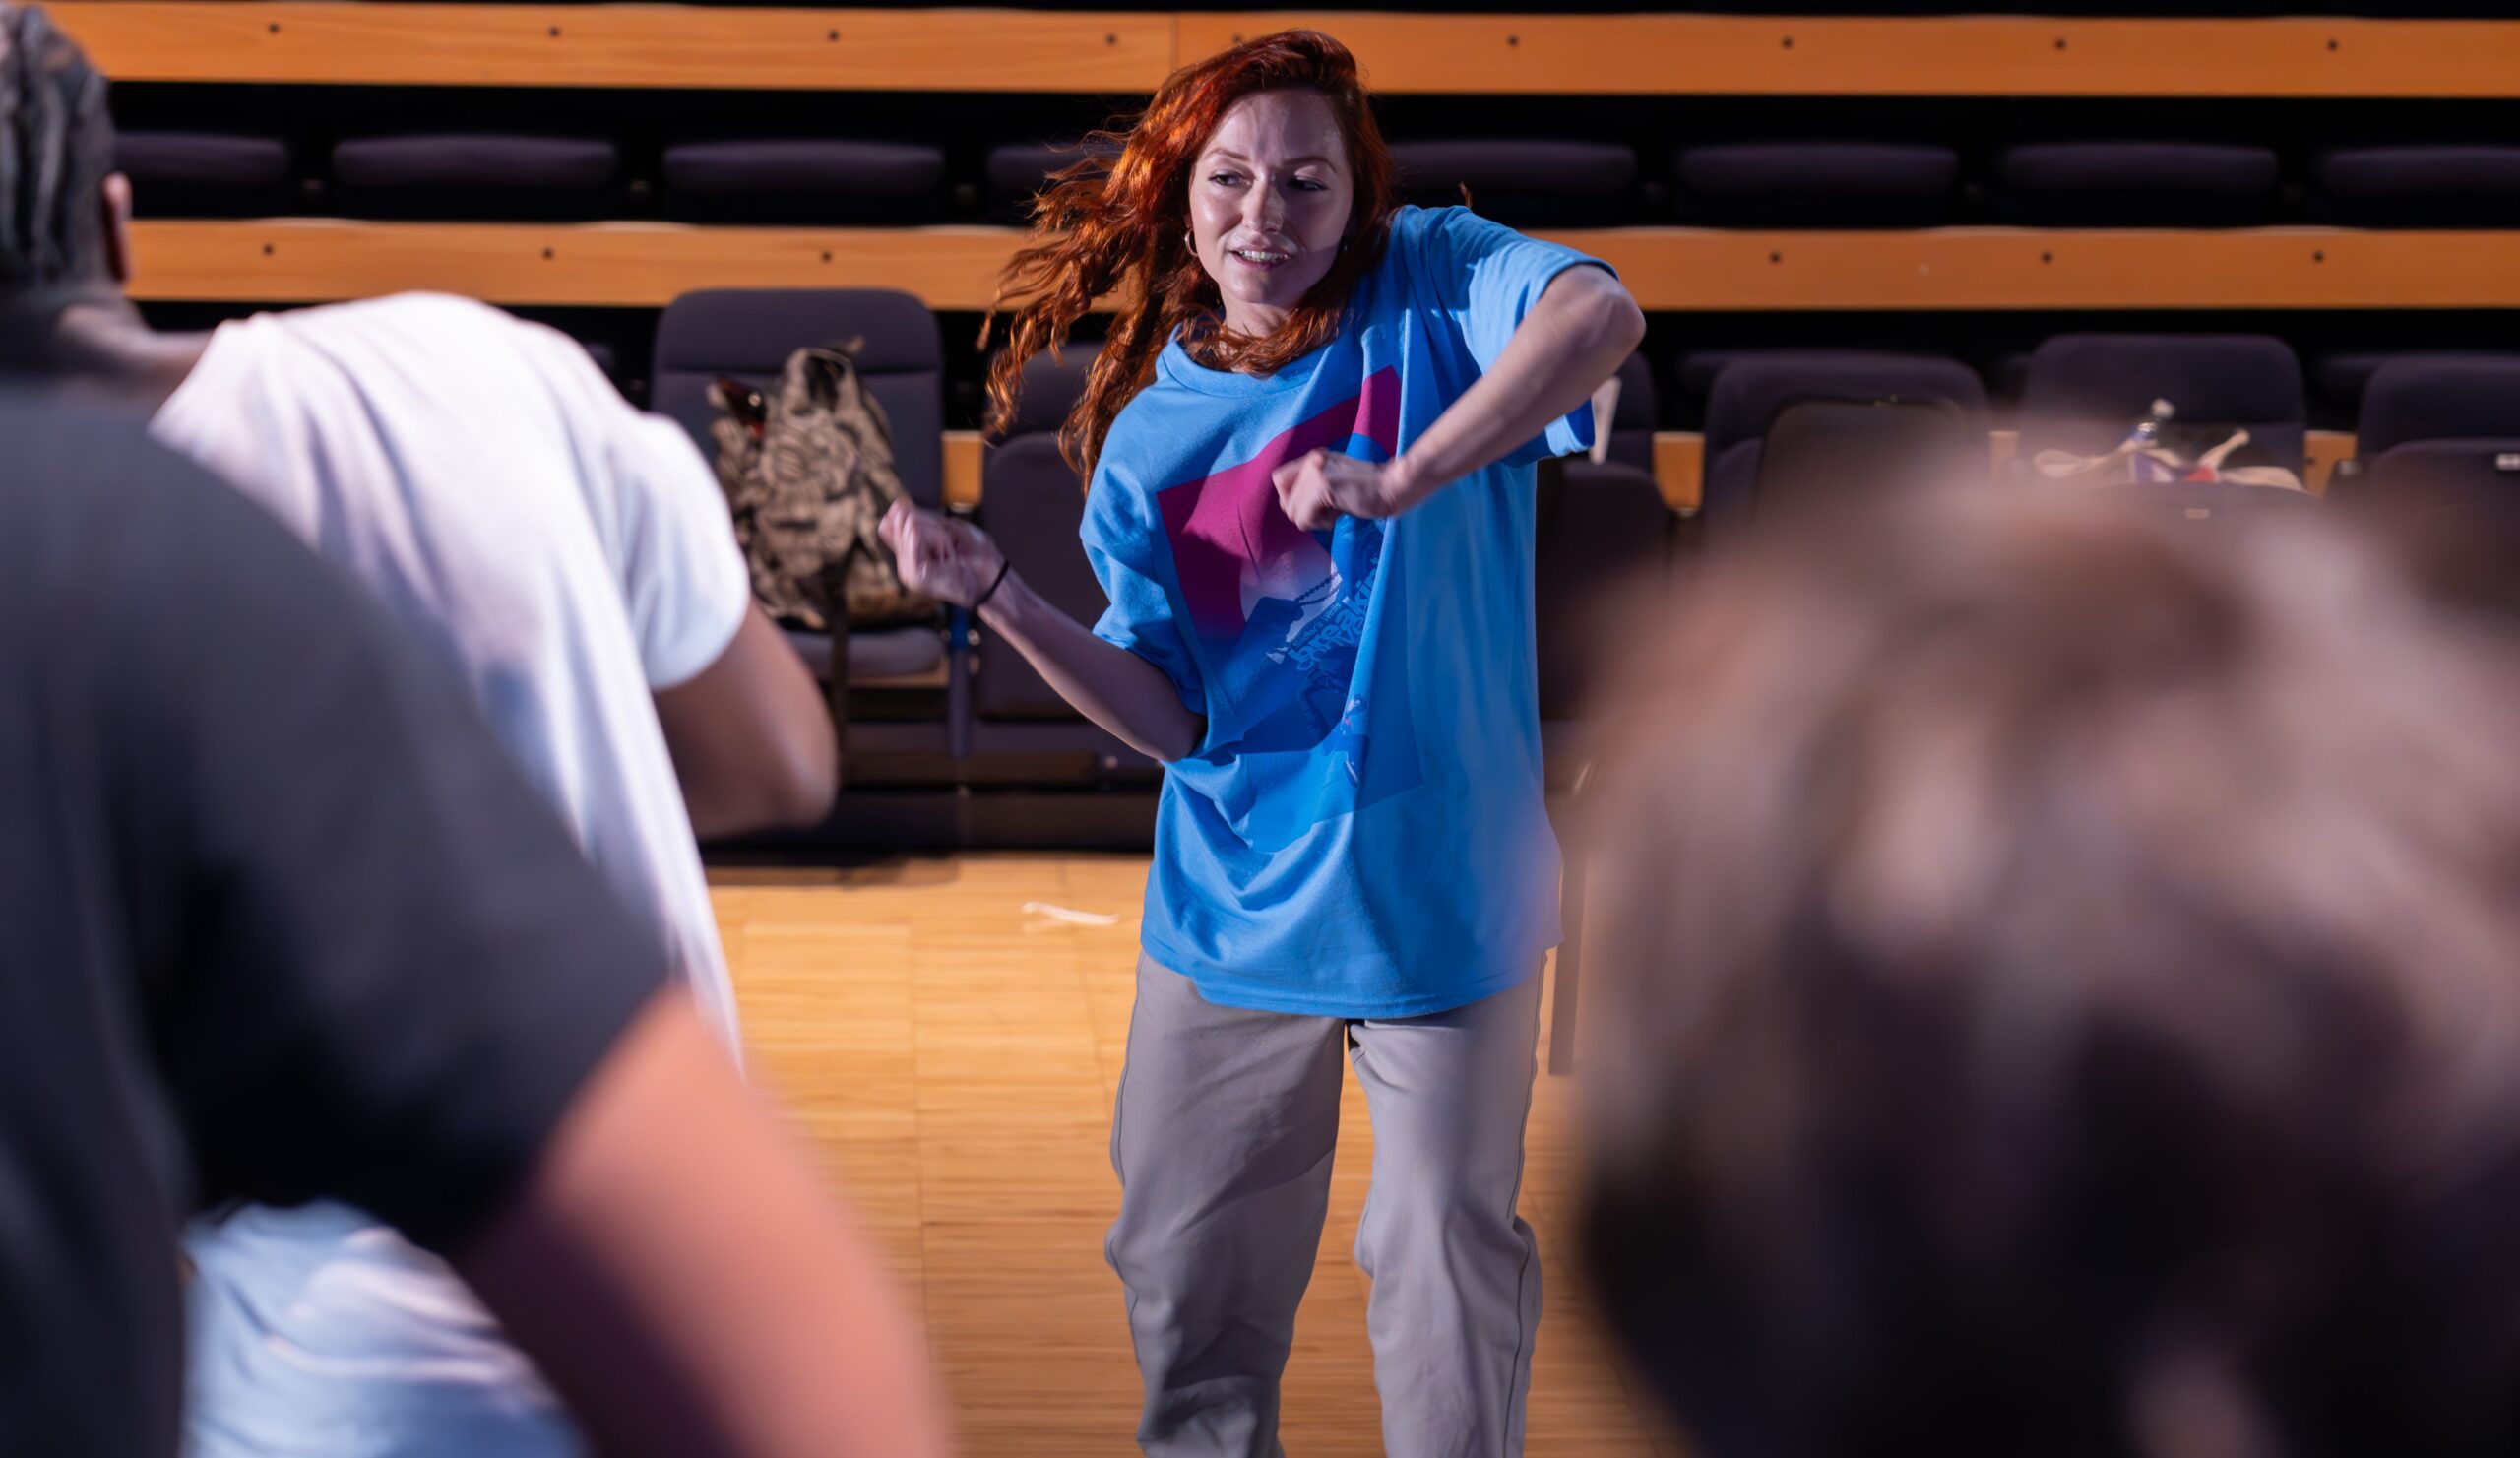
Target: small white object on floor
[(1070, 914)]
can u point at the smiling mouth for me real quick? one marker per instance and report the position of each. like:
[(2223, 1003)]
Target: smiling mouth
[(1260, 258)]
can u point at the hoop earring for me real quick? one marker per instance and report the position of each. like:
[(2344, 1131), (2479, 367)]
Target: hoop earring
[(1189, 244)]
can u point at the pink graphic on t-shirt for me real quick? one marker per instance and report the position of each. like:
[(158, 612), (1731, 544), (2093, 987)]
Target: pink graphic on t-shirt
[(1232, 547)]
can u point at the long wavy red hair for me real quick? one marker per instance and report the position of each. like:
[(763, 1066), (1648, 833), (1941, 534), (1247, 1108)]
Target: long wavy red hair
[(1113, 224)]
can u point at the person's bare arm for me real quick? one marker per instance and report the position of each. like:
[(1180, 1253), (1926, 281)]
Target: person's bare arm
[(686, 1283), (1576, 335), (751, 737), (956, 561)]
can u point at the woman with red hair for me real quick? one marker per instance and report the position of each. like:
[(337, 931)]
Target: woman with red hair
[(1311, 437)]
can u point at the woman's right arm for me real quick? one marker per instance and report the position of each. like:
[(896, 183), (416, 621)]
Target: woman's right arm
[(955, 562)]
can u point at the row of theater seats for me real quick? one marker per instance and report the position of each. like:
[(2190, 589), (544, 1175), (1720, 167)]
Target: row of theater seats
[(2335, 376), (1523, 181), (949, 699)]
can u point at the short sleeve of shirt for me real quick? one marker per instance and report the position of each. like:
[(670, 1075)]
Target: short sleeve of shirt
[(1123, 541), (392, 970), (1483, 277), (682, 575)]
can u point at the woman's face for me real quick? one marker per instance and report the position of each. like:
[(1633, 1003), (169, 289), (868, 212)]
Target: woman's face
[(1269, 202)]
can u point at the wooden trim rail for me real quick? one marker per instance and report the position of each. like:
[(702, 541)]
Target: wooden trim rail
[(1915, 56), (665, 46), (647, 265), (716, 48)]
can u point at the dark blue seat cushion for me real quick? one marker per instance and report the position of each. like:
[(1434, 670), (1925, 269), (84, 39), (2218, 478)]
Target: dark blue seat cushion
[(804, 165), (1601, 530), (1816, 185), (1019, 169), (2439, 397), (1523, 181), (1823, 455), (2135, 184), (1634, 417), (477, 160), (1050, 388), (1695, 371), (1033, 505), (2484, 10), (807, 181), (2447, 473), (2086, 390), (200, 159), (603, 356), (2427, 186), (1752, 391)]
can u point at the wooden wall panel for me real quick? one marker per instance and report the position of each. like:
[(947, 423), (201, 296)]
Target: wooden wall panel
[(1939, 56), (1124, 52), (1667, 268), (623, 45), (624, 265), (2061, 269)]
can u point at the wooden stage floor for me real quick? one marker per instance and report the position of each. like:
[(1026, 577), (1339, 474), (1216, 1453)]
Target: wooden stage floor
[(952, 1057)]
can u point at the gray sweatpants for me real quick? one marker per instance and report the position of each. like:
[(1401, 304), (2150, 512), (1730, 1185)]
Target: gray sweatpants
[(1223, 1140)]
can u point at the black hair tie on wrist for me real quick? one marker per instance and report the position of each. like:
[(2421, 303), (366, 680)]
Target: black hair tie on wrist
[(1004, 566)]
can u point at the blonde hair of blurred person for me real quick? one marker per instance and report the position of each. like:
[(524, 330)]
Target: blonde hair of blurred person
[(2057, 990)]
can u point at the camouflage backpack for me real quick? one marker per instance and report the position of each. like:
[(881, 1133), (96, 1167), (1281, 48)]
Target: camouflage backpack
[(807, 467)]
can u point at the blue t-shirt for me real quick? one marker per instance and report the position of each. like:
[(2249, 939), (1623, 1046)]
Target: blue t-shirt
[(1363, 831)]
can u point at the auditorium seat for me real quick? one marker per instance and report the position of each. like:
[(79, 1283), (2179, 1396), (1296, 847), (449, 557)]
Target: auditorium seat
[(2439, 397), (604, 356), (479, 176), (748, 334), (2086, 390), (2340, 377), (1816, 185), (1016, 171), (2418, 186), (1821, 455), (2474, 9), (1695, 369), (206, 174), (2182, 9), (1633, 418), (1754, 392), (2134, 184), (1523, 182), (2174, 9), (1602, 531), (806, 180), (1602, 528), (1033, 505)]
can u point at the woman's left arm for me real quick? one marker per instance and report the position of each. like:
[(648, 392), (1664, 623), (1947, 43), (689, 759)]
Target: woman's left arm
[(1578, 332)]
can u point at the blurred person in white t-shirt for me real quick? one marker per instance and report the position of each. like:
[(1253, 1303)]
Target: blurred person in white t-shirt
[(572, 561)]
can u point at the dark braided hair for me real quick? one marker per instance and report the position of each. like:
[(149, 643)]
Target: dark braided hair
[(56, 149)]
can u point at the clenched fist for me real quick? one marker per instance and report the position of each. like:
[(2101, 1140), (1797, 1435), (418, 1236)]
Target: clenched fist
[(940, 557), (1319, 488)]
